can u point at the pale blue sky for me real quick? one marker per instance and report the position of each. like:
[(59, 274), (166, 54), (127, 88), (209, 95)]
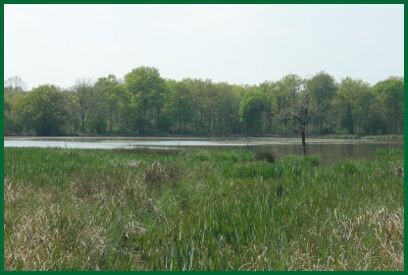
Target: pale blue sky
[(243, 44)]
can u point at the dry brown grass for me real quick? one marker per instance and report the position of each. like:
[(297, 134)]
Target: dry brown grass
[(204, 169), (32, 243), (54, 234), (398, 171), (157, 173), (134, 164), (388, 229)]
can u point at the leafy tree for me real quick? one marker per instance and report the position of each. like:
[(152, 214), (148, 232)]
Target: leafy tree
[(226, 108), (84, 100), (204, 94), (11, 123), (72, 122), (179, 105), (286, 93), (8, 117), (42, 111), (106, 102), (254, 107), (391, 92), (322, 88), (146, 90), (365, 111), (347, 101)]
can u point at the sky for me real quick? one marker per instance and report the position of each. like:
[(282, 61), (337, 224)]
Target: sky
[(241, 44)]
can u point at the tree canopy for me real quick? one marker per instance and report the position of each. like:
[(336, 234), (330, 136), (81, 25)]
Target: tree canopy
[(145, 103)]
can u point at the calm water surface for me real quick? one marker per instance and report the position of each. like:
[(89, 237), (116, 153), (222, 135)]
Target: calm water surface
[(328, 149)]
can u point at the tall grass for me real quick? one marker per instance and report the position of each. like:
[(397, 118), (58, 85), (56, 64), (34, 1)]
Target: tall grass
[(200, 210)]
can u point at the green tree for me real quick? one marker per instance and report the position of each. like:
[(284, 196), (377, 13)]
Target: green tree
[(226, 108), (179, 105), (322, 88), (11, 99), (347, 101), (366, 111), (84, 100), (391, 94), (42, 111), (284, 98), (254, 109), (107, 95), (72, 121), (146, 91), (8, 117), (203, 102)]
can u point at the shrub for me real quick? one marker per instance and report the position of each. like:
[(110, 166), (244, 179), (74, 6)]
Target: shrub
[(265, 154)]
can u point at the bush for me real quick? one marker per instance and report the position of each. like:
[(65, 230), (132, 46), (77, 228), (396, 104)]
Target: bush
[(265, 154)]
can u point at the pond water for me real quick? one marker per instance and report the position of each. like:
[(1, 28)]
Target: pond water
[(328, 149)]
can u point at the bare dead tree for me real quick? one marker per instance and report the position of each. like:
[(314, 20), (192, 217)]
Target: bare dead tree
[(301, 115), (15, 84)]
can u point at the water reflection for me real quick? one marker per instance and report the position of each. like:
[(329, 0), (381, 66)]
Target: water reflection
[(333, 152), (328, 149)]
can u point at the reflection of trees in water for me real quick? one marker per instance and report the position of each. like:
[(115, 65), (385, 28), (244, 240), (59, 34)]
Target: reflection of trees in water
[(333, 152)]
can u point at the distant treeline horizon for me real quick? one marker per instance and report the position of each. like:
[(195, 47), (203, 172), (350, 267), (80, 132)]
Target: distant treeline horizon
[(144, 103)]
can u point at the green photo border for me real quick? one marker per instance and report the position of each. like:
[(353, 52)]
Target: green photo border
[(197, 2)]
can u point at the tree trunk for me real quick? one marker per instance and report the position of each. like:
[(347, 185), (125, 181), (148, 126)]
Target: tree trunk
[(110, 120), (304, 141), (304, 125), (110, 126), (158, 119), (83, 124)]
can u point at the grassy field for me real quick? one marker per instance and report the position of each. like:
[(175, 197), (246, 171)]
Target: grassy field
[(200, 210)]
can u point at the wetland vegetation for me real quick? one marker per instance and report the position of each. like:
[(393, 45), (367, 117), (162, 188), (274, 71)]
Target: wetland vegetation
[(72, 209)]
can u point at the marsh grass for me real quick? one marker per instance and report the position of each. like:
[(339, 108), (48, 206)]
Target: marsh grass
[(200, 210), (157, 173)]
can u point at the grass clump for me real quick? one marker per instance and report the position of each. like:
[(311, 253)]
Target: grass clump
[(265, 154), (348, 168), (71, 209), (156, 173), (254, 169), (299, 166)]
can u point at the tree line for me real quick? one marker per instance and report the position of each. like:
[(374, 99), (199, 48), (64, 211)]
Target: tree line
[(144, 103)]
